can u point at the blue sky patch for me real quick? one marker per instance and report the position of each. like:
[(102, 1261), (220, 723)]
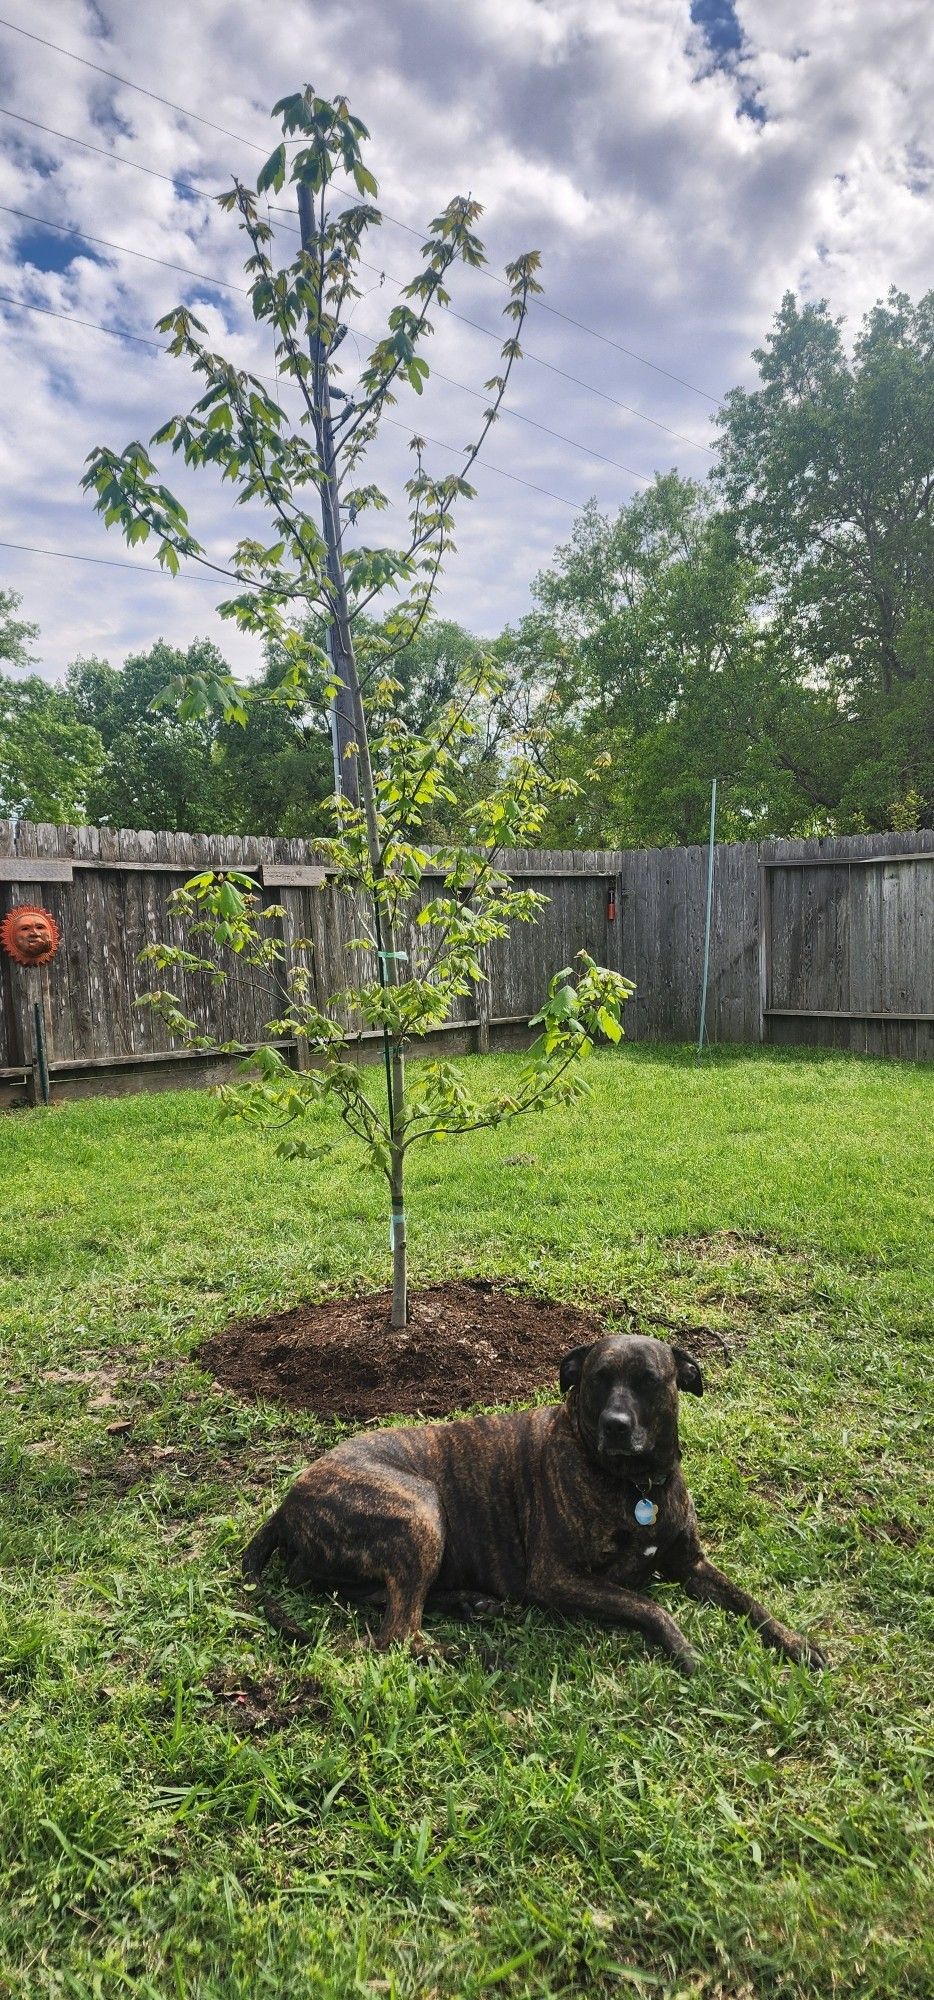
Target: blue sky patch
[(721, 29), (50, 250), (719, 24)]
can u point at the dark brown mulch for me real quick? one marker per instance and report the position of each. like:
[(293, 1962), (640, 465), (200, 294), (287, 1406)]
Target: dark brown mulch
[(467, 1342), (253, 1704)]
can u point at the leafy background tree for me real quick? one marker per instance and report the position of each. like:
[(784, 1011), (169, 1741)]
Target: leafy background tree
[(156, 770), (198, 774), (828, 471), (107, 747), (16, 634), (651, 622), (48, 758), (773, 626)]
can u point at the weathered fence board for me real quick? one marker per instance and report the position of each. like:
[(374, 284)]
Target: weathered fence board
[(829, 942), (850, 927)]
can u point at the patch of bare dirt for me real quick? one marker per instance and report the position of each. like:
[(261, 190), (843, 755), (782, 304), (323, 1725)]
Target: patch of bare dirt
[(715, 1246), (727, 1247), (252, 1704), (704, 1342), (467, 1342), (105, 1372), (248, 1465), (902, 1533)]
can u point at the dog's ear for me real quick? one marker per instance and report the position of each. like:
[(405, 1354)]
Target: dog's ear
[(572, 1367), (688, 1372)]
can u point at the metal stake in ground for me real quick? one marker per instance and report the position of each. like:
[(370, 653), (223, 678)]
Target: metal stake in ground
[(42, 1060), (710, 847)]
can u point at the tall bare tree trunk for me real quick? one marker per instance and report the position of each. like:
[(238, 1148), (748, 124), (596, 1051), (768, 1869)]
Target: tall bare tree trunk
[(356, 772)]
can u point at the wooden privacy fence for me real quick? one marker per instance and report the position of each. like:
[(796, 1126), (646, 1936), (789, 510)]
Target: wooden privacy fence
[(820, 941)]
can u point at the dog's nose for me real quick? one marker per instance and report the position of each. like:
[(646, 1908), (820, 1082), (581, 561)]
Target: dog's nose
[(617, 1427)]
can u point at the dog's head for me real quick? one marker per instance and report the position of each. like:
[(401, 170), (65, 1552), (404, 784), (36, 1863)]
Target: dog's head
[(626, 1396)]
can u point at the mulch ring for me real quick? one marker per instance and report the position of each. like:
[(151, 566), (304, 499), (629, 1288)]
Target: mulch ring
[(468, 1341)]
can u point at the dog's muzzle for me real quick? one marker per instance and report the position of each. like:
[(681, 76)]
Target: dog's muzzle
[(620, 1436)]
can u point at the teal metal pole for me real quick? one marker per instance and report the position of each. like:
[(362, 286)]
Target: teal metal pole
[(42, 1060), (703, 1001)]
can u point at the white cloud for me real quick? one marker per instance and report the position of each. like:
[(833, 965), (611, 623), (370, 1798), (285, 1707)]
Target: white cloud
[(667, 221)]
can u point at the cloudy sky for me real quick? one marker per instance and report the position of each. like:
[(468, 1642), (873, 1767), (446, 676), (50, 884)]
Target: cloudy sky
[(678, 165)]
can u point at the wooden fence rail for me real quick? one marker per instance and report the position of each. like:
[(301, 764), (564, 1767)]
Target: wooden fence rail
[(817, 941)]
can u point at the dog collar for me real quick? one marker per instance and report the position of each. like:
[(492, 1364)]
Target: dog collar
[(645, 1510)]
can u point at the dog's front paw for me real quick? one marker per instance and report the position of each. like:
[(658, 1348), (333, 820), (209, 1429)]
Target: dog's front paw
[(686, 1660), (423, 1647), (804, 1653)]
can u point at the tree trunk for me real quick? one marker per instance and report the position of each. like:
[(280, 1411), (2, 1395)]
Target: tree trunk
[(389, 974), (400, 1266), (357, 779)]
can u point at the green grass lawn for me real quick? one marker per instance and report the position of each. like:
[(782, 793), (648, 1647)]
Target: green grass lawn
[(544, 1808)]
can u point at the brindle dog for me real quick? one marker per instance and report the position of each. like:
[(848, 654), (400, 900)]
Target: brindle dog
[(572, 1507)]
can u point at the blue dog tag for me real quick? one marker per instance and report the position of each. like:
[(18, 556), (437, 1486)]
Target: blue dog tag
[(646, 1512)]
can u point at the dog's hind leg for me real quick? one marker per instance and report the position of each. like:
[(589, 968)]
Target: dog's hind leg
[(379, 1530), (413, 1559), (266, 1543), (390, 1531), (402, 1623)]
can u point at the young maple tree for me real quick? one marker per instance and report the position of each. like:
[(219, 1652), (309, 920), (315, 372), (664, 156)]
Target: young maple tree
[(422, 946)]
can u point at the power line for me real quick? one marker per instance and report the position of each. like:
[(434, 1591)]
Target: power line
[(541, 305), (591, 390), (569, 320), (489, 333), (106, 153), (128, 84), (124, 250), (696, 444), (527, 353), (255, 147), (70, 229), (520, 417), (94, 325), (104, 562), (576, 506), (97, 326)]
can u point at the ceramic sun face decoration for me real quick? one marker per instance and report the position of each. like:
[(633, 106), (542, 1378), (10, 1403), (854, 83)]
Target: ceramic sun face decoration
[(29, 934)]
